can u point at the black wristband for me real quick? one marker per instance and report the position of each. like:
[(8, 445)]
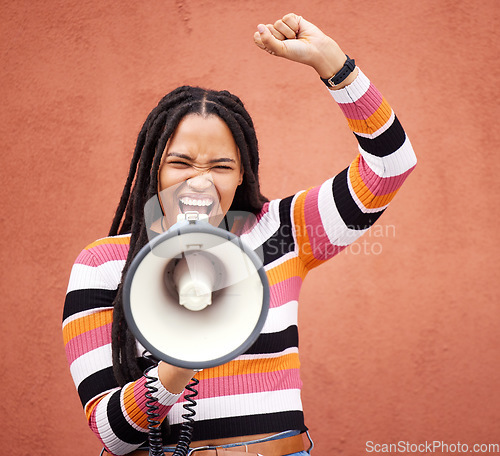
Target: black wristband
[(338, 77)]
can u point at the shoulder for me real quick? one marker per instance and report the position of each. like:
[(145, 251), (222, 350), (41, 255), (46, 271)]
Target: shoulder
[(111, 248), (100, 264)]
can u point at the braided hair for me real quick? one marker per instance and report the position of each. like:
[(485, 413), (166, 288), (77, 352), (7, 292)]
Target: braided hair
[(142, 184)]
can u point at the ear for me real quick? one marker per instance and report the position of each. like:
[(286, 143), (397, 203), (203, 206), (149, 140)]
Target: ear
[(241, 177)]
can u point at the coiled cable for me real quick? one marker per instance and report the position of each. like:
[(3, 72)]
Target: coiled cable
[(186, 432), (154, 424)]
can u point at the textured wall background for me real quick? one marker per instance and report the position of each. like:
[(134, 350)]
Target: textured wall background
[(399, 335)]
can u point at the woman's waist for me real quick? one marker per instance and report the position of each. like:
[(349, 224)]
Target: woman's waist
[(271, 443), (212, 442)]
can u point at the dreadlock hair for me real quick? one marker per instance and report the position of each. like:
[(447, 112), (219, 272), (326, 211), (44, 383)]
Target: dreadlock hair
[(142, 184)]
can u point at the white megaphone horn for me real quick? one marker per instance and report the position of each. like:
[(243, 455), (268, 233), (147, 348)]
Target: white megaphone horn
[(196, 296)]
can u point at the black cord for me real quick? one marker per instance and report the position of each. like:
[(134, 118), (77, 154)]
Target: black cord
[(186, 433), (154, 426)]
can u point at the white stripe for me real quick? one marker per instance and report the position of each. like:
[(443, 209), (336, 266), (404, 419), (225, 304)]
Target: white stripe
[(287, 351), (112, 442), (106, 276), (294, 228), (282, 259), (281, 318), (394, 164), (241, 405), (352, 92), (265, 228), (335, 228), (90, 362), (164, 396)]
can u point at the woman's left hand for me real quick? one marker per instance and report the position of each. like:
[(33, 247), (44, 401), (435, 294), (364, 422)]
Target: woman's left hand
[(296, 39)]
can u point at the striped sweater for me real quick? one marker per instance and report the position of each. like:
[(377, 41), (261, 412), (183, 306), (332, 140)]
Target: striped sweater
[(258, 392)]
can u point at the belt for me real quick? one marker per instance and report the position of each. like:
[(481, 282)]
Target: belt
[(277, 447)]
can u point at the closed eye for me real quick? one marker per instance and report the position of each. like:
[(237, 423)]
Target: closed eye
[(178, 163)]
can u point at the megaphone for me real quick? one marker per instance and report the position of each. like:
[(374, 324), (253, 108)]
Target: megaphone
[(196, 296)]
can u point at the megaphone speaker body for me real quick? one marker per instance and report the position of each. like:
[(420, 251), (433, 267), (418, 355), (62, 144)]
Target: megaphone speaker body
[(196, 296)]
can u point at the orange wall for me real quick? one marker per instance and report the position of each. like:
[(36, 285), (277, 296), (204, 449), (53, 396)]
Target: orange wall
[(408, 318)]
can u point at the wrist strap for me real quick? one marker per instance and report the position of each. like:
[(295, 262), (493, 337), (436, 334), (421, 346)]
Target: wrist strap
[(338, 77)]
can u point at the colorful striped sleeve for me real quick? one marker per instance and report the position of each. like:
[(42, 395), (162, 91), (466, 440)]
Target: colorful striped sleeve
[(116, 415), (330, 217)]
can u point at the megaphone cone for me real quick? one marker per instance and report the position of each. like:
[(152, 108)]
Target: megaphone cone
[(196, 296)]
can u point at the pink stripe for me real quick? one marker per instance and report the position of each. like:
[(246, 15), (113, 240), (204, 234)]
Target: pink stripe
[(250, 383), (285, 291), (95, 429), (85, 258), (366, 105), (93, 423), (380, 185), (100, 254), (140, 399), (321, 246), (139, 396), (264, 211), (89, 340)]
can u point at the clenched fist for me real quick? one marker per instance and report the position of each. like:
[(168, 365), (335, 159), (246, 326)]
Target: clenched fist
[(296, 39)]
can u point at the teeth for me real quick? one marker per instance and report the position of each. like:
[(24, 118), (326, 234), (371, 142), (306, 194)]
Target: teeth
[(195, 202)]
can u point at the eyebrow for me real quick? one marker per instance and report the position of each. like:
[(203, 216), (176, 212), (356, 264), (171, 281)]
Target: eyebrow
[(215, 160)]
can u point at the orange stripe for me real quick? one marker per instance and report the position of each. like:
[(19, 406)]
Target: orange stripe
[(109, 240), (89, 322), (367, 198), (252, 366), (294, 267), (302, 236), (138, 416), (90, 406), (300, 225), (377, 120)]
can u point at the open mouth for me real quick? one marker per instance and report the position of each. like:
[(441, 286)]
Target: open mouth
[(192, 204)]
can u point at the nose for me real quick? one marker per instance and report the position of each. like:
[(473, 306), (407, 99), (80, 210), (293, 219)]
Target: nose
[(201, 182)]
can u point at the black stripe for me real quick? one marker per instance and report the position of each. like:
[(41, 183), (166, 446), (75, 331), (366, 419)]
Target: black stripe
[(103, 380), (242, 425), (386, 143), (281, 242), (275, 342), (350, 212), (119, 425), (95, 384), (87, 299)]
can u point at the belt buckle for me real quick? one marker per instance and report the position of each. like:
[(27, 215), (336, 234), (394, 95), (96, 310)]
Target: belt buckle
[(202, 448)]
